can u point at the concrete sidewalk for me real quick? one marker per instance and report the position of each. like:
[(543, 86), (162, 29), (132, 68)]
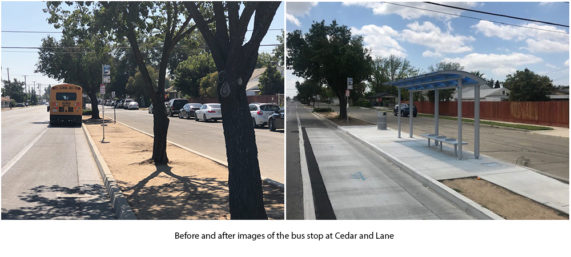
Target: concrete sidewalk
[(415, 153)]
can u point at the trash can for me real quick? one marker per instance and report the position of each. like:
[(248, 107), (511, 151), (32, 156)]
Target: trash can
[(382, 120)]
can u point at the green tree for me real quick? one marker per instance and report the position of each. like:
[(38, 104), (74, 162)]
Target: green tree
[(497, 85), (235, 60), (329, 53), (390, 69), (133, 21), (191, 71), (444, 94), (208, 85), (33, 97), (278, 52), (271, 81), (136, 84), (14, 89), (527, 86), (265, 60), (308, 90)]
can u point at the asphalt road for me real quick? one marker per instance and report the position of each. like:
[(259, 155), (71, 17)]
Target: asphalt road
[(380, 191), (208, 138), (548, 154), (48, 172)]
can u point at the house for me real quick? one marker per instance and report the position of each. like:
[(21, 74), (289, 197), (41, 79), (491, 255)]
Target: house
[(382, 99), (6, 101), (486, 94), (252, 88)]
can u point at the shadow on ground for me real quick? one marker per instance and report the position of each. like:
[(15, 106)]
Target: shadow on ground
[(189, 197), (56, 202)]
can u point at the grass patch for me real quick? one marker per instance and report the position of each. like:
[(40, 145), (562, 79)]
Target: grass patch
[(491, 123), (322, 109), (86, 111)]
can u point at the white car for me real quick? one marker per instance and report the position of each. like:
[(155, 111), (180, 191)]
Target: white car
[(261, 112), (133, 106), (208, 112)]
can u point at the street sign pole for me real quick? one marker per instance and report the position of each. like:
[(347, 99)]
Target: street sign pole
[(105, 78), (114, 112), (347, 93)]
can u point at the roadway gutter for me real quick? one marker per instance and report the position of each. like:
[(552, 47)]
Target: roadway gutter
[(119, 202)]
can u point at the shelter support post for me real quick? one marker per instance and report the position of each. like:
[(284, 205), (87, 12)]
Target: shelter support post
[(436, 111), (410, 112), (398, 111), (477, 121), (459, 90)]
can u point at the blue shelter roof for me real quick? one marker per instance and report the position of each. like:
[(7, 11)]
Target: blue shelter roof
[(439, 79)]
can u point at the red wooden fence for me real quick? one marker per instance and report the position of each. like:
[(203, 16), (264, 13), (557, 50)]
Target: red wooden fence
[(551, 113)]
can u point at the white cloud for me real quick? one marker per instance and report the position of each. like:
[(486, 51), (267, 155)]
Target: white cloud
[(293, 19), (298, 9), (429, 35), (539, 38), (414, 10), (499, 64), (381, 40)]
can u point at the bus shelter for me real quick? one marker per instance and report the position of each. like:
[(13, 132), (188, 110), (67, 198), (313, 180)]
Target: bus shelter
[(437, 81)]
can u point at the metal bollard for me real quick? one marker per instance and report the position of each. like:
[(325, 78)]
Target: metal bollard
[(382, 120)]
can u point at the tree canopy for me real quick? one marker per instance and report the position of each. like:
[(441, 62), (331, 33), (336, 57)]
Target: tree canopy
[(271, 81), (190, 72), (329, 53), (14, 89), (527, 86)]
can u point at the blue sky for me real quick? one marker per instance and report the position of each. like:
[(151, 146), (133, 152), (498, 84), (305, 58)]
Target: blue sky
[(28, 16), (427, 37)]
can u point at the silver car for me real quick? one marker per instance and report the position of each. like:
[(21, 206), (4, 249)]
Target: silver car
[(208, 112), (261, 112)]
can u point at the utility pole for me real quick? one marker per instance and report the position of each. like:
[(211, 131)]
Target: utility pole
[(25, 91)]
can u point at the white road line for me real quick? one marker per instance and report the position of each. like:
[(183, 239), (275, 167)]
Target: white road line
[(18, 156), (308, 206)]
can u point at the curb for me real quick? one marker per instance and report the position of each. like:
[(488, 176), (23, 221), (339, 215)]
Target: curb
[(459, 200), (219, 162), (122, 209)]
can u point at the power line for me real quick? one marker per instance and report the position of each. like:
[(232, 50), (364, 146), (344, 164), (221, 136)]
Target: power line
[(499, 14), (474, 18)]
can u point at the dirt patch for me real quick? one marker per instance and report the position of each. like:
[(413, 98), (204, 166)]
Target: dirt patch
[(503, 202), (189, 187), (334, 116)]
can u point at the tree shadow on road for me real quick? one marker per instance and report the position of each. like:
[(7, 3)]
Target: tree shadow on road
[(56, 202)]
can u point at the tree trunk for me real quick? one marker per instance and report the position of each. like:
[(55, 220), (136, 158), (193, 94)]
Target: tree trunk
[(160, 129), (94, 104), (342, 105), (244, 179)]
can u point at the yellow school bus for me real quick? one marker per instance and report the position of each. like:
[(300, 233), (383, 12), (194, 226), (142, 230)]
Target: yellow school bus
[(65, 104)]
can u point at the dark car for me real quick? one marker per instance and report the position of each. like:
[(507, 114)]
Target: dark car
[(174, 106), (189, 110), (405, 110), (276, 120)]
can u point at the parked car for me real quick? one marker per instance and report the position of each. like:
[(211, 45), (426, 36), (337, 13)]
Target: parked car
[(189, 110), (260, 113), (126, 103), (119, 103), (210, 111), (405, 110), (132, 105), (174, 106), (20, 105), (276, 120)]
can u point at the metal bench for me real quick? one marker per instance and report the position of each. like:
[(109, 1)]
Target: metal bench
[(443, 139)]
